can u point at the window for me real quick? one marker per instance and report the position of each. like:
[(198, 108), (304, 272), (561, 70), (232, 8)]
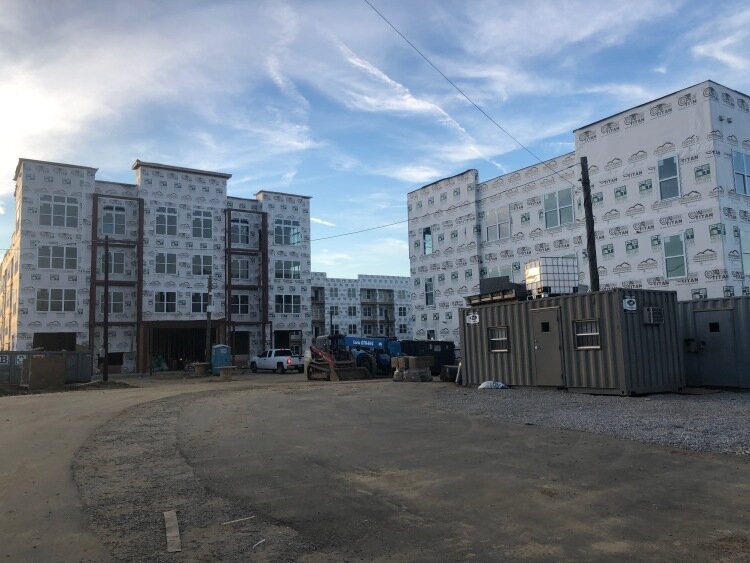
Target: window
[(431, 334), (366, 311), (59, 257), (741, 172), (240, 231), (558, 208), (116, 302), (202, 224), (240, 304), (166, 263), (745, 248), (351, 293), (367, 330), (202, 265), (402, 294), (427, 240), (674, 256), (165, 302), (287, 270), (498, 224), (369, 294), (498, 337), (587, 335), (333, 291), (287, 303), (166, 221), (352, 329), (240, 269), (55, 300), (287, 231), (351, 311), (334, 310), (113, 220), (402, 329), (58, 211), (335, 329), (429, 296), (116, 262), (669, 183), (200, 302), (402, 311)]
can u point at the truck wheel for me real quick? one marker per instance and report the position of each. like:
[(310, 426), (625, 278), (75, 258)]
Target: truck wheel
[(254, 367), (280, 368)]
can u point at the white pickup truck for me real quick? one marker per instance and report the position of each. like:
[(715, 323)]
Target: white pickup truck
[(277, 359)]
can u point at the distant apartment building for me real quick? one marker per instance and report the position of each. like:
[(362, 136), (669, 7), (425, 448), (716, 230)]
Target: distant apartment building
[(671, 198), (168, 234), (366, 306)]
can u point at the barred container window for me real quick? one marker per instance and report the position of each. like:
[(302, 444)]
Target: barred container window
[(498, 337), (587, 335)]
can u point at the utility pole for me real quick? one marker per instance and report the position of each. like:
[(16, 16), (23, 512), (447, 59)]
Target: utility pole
[(208, 317), (105, 367), (590, 236)]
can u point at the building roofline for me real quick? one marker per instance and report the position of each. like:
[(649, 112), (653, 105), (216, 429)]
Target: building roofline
[(540, 163), (138, 163), (22, 160), (446, 178), (124, 184), (660, 98), (282, 193)]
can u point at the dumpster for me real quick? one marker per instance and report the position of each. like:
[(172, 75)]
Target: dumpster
[(221, 356)]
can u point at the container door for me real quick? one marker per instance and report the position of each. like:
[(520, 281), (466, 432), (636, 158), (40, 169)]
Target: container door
[(547, 347), (717, 359)]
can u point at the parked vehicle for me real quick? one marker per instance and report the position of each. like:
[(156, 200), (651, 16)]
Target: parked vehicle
[(277, 359)]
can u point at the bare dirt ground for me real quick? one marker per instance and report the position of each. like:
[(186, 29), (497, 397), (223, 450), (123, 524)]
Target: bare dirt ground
[(374, 471)]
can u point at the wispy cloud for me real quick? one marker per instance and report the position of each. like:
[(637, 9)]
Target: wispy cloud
[(321, 221)]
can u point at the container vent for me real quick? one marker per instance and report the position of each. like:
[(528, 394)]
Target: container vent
[(653, 315)]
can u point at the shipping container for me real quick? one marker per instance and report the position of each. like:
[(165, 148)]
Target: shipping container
[(619, 341), (714, 335)]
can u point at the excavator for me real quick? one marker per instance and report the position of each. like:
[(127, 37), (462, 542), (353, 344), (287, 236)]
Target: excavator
[(331, 361)]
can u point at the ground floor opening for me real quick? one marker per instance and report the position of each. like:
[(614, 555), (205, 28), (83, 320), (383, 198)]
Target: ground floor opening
[(170, 346), (54, 341)]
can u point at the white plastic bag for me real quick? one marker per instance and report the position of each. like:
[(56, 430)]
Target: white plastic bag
[(493, 385)]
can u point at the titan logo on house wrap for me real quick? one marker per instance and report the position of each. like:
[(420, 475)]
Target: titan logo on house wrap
[(734, 255), (690, 279), (647, 264), (523, 250), (727, 99), (541, 247), (611, 215), (608, 181), (614, 163), (707, 255), (587, 136), (716, 192), (632, 174), (598, 235), (622, 268), (717, 274), (619, 231), (657, 281), (687, 100), (738, 276), (665, 148), (701, 215), (690, 141), (715, 135), (637, 118), (670, 221), (536, 233), (660, 110), (518, 237), (710, 92), (732, 140), (689, 159), (561, 243), (690, 197), (506, 254), (632, 284), (610, 127), (534, 201), (636, 209), (516, 206)]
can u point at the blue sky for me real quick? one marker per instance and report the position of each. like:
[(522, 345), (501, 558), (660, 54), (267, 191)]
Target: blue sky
[(322, 98)]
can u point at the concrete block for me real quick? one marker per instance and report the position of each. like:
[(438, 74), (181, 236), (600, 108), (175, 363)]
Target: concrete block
[(416, 375), (403, 362), (394, 362), (398, 375)]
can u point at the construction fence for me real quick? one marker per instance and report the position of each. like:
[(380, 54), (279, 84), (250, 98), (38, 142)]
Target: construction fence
[(76, 367)]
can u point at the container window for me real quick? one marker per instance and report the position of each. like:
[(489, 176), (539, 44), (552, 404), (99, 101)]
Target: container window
[(587, 335), (713, 327), (498, 337), (545, 327)]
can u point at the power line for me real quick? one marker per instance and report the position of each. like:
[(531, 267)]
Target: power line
[(458, 89)]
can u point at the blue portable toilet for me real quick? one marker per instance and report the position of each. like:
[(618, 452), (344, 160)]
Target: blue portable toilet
[(221, 356)]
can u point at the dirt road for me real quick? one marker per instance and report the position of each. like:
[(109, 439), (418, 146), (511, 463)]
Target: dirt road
[(374, 471)]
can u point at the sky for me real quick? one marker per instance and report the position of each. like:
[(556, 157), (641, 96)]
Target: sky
[(323, 98)]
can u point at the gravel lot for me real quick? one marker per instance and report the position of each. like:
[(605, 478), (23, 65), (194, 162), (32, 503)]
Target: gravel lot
[(716, 422)]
